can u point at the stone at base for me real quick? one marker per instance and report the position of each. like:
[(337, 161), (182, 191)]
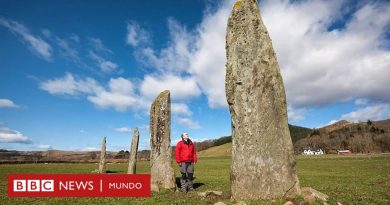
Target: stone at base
[(208, 193), (310, 195)]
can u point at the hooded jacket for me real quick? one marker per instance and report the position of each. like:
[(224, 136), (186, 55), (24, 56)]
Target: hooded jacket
[(185, 152)]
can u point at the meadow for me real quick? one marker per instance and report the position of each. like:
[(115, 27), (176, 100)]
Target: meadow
[(357, 179)]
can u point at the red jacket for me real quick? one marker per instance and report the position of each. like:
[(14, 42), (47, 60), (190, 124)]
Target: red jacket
[(185, 152)]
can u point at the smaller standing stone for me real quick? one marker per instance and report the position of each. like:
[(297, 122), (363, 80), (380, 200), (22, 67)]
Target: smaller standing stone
[(133, 153), (162, 172), (102, 164)]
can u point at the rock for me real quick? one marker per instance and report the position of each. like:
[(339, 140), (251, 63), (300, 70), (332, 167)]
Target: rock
[(102, 164), (310, 195), (162, 173), (202, 194), (338, 203), (263, 165), (133, 153), (310, 199), (220, 203), (210, 193), (289, 203)]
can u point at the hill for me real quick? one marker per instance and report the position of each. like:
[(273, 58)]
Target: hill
[(296, 132), (217, 151), (362, 137), (12, 156)]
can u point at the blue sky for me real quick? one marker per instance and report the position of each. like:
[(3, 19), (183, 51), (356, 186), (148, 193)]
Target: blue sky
[(72, 72)]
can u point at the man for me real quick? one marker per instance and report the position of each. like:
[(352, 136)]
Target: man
[(186, 158)]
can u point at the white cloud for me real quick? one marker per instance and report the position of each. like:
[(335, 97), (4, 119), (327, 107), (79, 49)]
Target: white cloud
[(106, 66), (199, 140), (180, 88), (136, 35), (180, 109), (89, 149), (319, 65), (68, 50), (372, 112), (174, 142), (123, 129), (119, 95), (35, 43), (188, 123), (296, 115), (44, 146), (66, 85), (70, 85), (361, 102), (322, 66), (199, 54), (46, 32), (75, 38), (100, 50), (8, 103), (208, 59), (98, 45), (12, 136), (365, 110), (174, 57)]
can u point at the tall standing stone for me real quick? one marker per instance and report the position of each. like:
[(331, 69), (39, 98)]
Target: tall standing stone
[(263, 165), (133, 153), (162, 173), (102, 164)]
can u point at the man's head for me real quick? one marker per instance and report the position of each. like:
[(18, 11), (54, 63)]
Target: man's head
[(184, 136)]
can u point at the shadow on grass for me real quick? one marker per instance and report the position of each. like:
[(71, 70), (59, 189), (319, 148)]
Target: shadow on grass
[(110, 172), (195, 185)]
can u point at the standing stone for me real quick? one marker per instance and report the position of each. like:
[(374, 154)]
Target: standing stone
[(133, 153), (162, 173), (263, 165), (102, 164)]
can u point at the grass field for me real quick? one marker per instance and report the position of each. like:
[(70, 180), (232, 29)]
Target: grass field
[(346, 179)]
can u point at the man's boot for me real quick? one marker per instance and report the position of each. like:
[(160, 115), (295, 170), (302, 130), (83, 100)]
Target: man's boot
[(190, 184), (183, 183)]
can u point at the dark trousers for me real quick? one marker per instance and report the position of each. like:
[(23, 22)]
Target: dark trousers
[(187, 174)]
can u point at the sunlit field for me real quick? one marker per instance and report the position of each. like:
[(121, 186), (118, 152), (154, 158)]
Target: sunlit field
[(363, 179)]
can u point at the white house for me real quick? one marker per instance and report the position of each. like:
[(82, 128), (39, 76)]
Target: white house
[(313, 152)]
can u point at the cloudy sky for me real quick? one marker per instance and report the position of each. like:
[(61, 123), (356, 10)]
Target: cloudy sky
[(74, 71)]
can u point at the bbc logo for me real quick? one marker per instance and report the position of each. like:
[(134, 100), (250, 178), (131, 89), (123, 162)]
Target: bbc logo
[(33, 185)]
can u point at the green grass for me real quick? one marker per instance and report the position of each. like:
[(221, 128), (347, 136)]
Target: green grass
[(359, 179), (217, 151), (346, 179)]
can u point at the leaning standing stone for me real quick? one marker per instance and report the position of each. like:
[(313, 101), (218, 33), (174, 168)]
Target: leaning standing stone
[(133, 153), (263, 165), (102, 164), (162, 173)]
